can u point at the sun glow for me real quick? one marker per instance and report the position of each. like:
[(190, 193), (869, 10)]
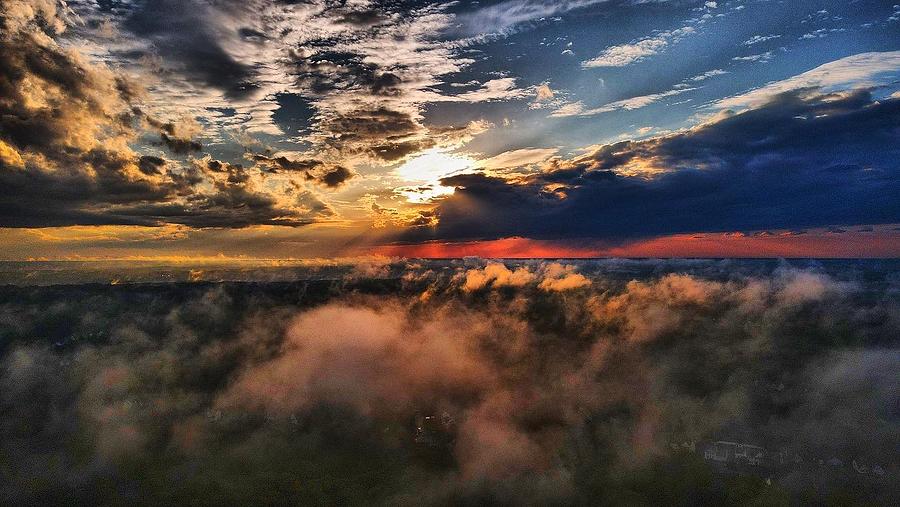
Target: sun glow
[(425, 171), (432, 165)]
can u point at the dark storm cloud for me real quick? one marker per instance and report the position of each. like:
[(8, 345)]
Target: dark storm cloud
[(90, 93), (58, 133), (171, 134), (395, 151), (234, 202), (386, 84), (361, 18), (231, 207), (801, 160), (183, 33), (383, 133), (42, 201), (251, 35), (334, 176), (274, 164), (386, 129), (63, 129), (235, 174), (149, 164), (66, 130), (330, 71), (330, 175), (180, 146)]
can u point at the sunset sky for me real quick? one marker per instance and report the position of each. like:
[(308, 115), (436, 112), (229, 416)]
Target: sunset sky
[(515, 128)]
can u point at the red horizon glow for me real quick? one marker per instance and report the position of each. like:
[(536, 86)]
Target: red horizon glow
[(883, 243)]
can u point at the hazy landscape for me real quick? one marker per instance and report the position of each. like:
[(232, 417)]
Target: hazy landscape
[(461, 381)]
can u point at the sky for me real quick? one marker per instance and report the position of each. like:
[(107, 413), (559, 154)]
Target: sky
[(291, 129)]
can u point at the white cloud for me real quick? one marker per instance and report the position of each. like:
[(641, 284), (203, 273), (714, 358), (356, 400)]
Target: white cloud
[(629, 104), (543, 92), (626, 54), (821, 32), (706, 75), (517, 158), (570, 109), (756, 39), (497, 89), (895, 16), (506, 15), (857, 71), (761, 57)]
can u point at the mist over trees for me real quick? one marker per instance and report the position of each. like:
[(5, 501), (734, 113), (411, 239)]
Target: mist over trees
[(456, 382)]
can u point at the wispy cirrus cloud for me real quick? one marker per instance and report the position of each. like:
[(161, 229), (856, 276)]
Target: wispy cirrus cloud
[(759, 57), (506, 15), (756, 39), (623, 55), (629, 104), (708, 74)]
